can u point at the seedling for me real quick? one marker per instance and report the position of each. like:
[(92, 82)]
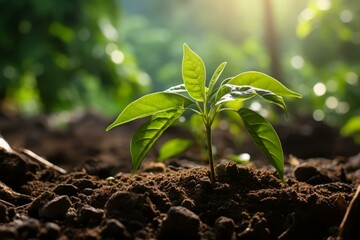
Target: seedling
[(207, 101)]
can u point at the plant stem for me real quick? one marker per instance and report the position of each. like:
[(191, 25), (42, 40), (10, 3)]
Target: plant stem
[(210, 154)]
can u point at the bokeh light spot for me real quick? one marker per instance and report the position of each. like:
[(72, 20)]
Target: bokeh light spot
[(110, 48), (319, 89), (117, 56), (255, 106), (144, 79), (108, 29), (343, 107), (182, 119), (332, 102), (307, 14), (351, 78), (318, 115), (9, 72), (297, 62), (346, 16), (245, 156), (223, 124)]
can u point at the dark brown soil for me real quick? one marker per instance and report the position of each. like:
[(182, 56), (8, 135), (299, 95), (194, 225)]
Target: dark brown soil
[(99, 199)]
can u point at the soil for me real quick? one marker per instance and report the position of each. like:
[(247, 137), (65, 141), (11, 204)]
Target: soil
[(97, 198)]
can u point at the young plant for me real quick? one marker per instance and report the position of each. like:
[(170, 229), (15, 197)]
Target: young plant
[(207, 101)]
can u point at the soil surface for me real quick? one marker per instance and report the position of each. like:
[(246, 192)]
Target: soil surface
[(97, 198)]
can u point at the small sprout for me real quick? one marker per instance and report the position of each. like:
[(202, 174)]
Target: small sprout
[(207, 101)]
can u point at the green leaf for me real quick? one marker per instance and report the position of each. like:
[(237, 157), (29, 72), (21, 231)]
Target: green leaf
[(149, 105), (213, 96), (193, 73), (231, 92), (173, 147), (263, 81), (265, 138), (177, 89), (215, 77), (145, 137), (228, 93)]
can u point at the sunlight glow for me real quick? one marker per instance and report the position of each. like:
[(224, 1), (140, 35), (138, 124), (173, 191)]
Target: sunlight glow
[(323, 4), (318, 115), (319, 89)]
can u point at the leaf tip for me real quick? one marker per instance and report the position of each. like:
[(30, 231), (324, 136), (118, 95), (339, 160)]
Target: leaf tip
[(109, 127)]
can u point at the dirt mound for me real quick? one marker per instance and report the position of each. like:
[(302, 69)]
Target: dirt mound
[(179, 203)]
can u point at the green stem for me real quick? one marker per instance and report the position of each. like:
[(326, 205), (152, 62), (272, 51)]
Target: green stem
[(210, 154)]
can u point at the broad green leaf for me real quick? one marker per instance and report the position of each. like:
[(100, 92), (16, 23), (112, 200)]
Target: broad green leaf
[(231, 92), (149, 105), (263, 81), (174, 147), (216, 76), (145, 137), (193, 73), (265, 138)]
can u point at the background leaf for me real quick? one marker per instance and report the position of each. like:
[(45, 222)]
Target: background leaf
[(265, 138), (352, 127), (263, 81), (149, 105), (193, 72), (174, 147), (145, 137)]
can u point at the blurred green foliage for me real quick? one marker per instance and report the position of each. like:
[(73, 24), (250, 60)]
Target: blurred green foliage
[(61, 55), (329, 33)]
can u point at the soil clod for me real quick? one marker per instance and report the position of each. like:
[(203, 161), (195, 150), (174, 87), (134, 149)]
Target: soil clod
[(180, 223)]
